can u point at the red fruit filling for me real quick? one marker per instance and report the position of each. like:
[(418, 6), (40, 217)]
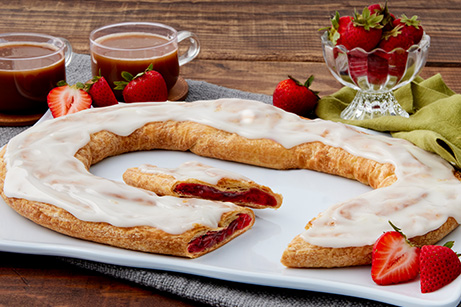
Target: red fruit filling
[(212, 238), (252, 195)]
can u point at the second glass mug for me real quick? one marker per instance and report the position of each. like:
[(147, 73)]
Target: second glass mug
[(133, 46)]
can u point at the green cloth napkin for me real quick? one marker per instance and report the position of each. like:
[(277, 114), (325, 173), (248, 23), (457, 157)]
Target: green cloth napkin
[(435, 116)]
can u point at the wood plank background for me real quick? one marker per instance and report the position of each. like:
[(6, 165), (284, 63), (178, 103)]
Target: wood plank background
[(247, 45)]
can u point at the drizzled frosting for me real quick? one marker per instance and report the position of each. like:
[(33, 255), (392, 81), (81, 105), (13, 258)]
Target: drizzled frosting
[(193, 170), (42, 167)]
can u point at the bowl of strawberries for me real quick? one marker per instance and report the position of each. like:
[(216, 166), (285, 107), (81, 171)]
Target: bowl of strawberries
[(375, 53)]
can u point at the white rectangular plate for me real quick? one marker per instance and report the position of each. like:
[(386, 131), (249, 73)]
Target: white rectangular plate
[(252, 258)]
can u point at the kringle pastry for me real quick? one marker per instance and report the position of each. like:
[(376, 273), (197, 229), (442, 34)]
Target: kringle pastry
[(194, 179), (44, 176)]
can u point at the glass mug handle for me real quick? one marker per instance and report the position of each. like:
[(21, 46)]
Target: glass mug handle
[(67, 51), (194, 47)]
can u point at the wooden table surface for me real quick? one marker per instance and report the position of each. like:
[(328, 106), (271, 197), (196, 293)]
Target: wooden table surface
[(245, 45)]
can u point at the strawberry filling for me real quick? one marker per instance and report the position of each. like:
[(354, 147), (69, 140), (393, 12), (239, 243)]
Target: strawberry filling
[(252, 195), (212, 238)]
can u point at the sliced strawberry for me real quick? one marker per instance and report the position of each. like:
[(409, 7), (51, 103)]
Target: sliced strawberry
[(439, 265), (100, 92), (67, 99), (394, 259)]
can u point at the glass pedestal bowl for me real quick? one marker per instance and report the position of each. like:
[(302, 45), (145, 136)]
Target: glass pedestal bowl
[(375, 75)]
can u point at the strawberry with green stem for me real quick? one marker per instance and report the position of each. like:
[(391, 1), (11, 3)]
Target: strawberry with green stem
[(439, 266), (294, 96), (100, 92), (338, 27), (364, 31), (395, 260), (148, 85), (388, 18), (405, 33)]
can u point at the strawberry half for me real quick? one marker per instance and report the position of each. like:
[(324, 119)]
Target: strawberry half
[(100, 92), (148, 85), (394, 258), (439, 265), (66, 99)]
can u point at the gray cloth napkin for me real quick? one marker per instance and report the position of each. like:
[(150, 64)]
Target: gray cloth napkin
[(195, 288)]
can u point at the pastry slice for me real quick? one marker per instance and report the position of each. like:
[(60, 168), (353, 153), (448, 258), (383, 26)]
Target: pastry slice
[(197, 180)]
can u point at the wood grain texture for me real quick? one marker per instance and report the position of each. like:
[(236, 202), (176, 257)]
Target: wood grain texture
[(230, 30), (33, 280), (259, 42), (246, 45), (263, 76)]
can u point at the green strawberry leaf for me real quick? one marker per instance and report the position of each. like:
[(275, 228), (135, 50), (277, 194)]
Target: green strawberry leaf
[(61, 83), (120, 85), (127, 76), (413, 21), (368, 21)]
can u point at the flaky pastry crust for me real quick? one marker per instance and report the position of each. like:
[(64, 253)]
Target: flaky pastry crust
[(142, 238), (210, 142), (301, 254)]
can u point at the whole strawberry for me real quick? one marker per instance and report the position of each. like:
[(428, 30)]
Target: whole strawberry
[(439, 266), (364, 31), (388, 18), (293, 96), (148, 85), (338, 27), (66, 99), (394, 258), (375, 8), (100, 92), (405, 33)]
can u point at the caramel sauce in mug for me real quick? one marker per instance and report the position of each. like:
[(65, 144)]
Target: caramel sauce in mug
[(25, 83), (134, 52)]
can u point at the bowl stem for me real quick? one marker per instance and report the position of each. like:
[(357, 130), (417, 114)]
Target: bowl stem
[(372, 105)]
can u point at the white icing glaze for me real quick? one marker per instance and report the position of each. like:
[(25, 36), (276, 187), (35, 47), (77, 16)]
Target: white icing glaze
[(41, 167), (193, 170)]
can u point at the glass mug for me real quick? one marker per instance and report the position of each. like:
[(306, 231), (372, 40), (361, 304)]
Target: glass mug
[(31, 64), (133, 46)]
